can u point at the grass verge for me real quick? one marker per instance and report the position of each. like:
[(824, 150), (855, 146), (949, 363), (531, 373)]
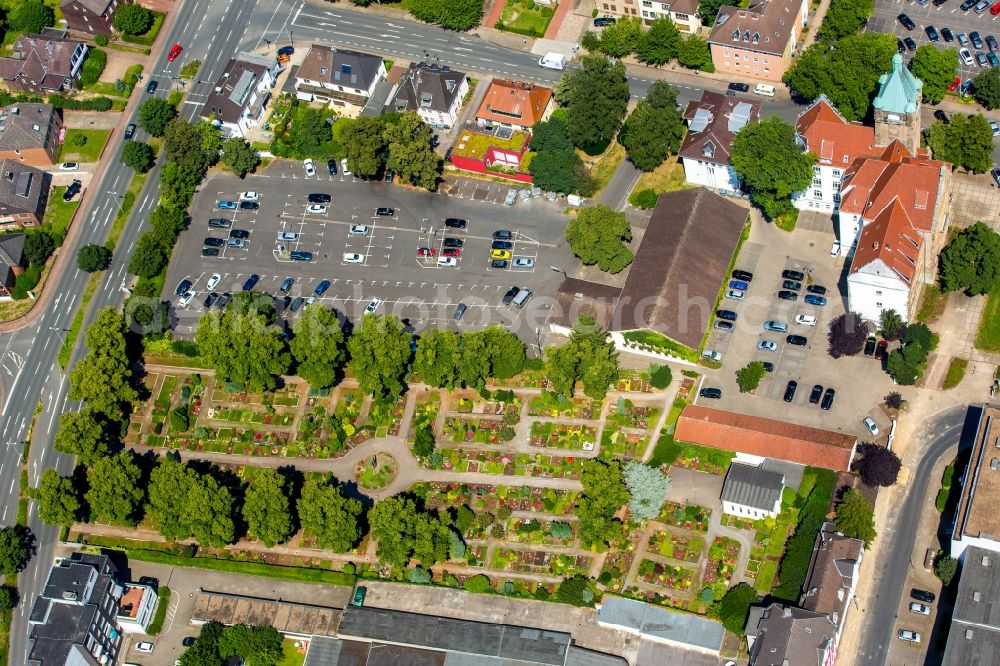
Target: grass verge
[(162, 603), (668, 177), (131, 194), (89, 151), (667, 449), (988, 336), (662, 343), (786, 222), (725, 285), (932, 304), (74, 329), (604, 168), (13, 309), (59, 213), (956, 371)]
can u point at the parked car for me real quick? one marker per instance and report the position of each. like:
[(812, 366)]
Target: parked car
[(910, 43), (343, 167), (981, 59), (219, 223), (498, 263), (828, 399), (791, 285), (373, 305), (932, 33), (788, 295), (286, 50), (728, 315), (456, 223), (502, 234), (963, 39), (458, 242), (448, 262), (249, 196), (322, 287), (251, 281), (767, 345), (353, 258), (455, 252), (739, 284), (69, 166), (509, 296), (316, 209), (906, 22), (994, 126), (209, 251), (946, 33), (604, 21), (210, 299), (523, 262), (870, 346), (459, 311), (319, 198), (331, 166), (389, 175), (816, 394), (870, 424), (286, 285), (816, 289), (965, 56), (426, 251), (500, 254), (736, 294), (797, 340), (995, 173), (922, 595), (977, 41), (301, 255), (129, 131), (793, 275), (182, 287), (790, 390), (214, 242), (813, 299), (385, 212), (909, 635), (73, 189), (213, 282), (225, 204), (768, 366), (919, 609), (239, 233), (774, 325), (307, 164), (188, 641), (721, 325), (288, 236), (968, 4), (882, 350), (186, 299), (739, 87), (805, 320), (144, 646), (358, 230), (359, 594), (711, 392), (991, 42), (746, 276), (224, 300)]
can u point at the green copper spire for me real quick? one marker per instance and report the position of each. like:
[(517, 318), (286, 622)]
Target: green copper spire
[(899, 90)]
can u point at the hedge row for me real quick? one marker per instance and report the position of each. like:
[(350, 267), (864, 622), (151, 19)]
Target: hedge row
[(798, 551)]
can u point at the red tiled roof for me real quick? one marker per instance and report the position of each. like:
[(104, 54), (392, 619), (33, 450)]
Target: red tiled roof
[(514, 102), (890, 237), (833, 140), (769, 438)]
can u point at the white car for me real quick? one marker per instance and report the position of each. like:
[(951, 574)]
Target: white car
[(343, 167), (358, 230), (735, 294), (310, 169), (69, 166), (908, 635), (353, 258), (186, 299), (373, 306), (213, 282), (835, 249), (249, 196), (805, 320), (523, 262), (287, 236), (919, 609), (144, 646), (995, 127), (870, 424), (966, 57), (447, 261), (316, 209), (767, 345)]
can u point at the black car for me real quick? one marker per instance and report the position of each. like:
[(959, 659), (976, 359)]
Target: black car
[(209, 251), (73, 189), (389, 175), (296, 303), (938, 3), (502, 245), (969, 4), (301, 255), (941, 115), (604, 21), (900, 46), (459, 311), (828, 399), (768, 366), (211, 298), (319, 198), (251, 281), (815, 394), (219, 223), (249, 205), (502, 234), (151, 86), (910, 44), (932, 33), (710, 392), (331, 166), (182, 287), (509, 296), (788, 296), (791, 285), (922, 595), (385, 212), (906, 21), (322, 287), (188, 641), (286, 285), (214, 242), (946, 33), (739, 87), (150, 581), (790, 390), (728, 315), (129, 131), (283, 302), (817, 289), (991, 42), (870, 346), (746, 276), (453, 242), (498, 263), (224, 300), (456, 223), (239, 233), (793, 275), (977, 41), (797, 340)]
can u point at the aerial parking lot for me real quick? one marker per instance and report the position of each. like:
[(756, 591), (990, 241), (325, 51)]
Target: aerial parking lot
[(419, 255)]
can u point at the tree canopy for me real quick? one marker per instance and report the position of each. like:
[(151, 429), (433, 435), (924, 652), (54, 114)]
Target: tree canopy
[(557, 171), (149, 257), (855, 517), (380, 351), (133, 19), (845, 17), (16, 545), (138, 155), (986, 88), (877, 465), (597, 235), (30, 16), (329, 516), (733, 608), (935, 68), (749, 376), (658, 45), (449, 14), (971, 261), (255, 646), (57, 497), (186, 503), (403, 532), (83, 434), (318, 346), (647, 487), (651, 134), (771, 164), (622, 37), (589, 356), (847, 335), (965, 141), (266, 507), (103, 377), (92, 257), (154, 115), (115, 494), (239, 155), (596, 100), (604, 493), (693, 52)]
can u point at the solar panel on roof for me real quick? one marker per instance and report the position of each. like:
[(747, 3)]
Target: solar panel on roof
[(740, 116), (702, 117)]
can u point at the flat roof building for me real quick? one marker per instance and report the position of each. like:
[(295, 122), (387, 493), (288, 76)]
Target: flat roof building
[(977, 521)]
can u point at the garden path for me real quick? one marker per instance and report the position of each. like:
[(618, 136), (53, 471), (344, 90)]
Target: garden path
[(743, 537)]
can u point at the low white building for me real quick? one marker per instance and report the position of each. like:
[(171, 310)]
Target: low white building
[(345, 79), (241, 94), (136, 608), (684, 13), (713, 122), (435, 93), (752, 492)]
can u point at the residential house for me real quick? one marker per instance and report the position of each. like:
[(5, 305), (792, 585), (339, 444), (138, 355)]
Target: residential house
[(977, 521), (499, 153), (345, 79), (12, 262), (758, 42), (684, 13), (833, 575), (30, 133), (136, 608), (780, 635), (713, 122), (974, 630), (74, 619), (92, 17), (514, 104), (241, 94), (435, 93), (752, 492), (43, 63), (24, 192)]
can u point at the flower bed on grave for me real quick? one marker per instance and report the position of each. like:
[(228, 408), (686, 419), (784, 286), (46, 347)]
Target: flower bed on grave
[(250, 416), (738, 522), (563, 436), (482, 497), (687, 516), (384, 418), (287, 396), (634, 382), (626, 445), (473, 404), (527, 379), (558, 406), (539, 561), (626, 414), (480, 431), (520, 464), (723, 555), (670, 576), (346, 412), (424, 412), (616, 565), (539, 532), (679, 547)]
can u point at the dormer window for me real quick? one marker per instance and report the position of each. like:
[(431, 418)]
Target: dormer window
[(736, 35), (746, 36), (756, 38)]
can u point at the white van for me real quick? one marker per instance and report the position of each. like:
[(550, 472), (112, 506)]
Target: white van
[(764, 89), (552, 61), (521, 298)]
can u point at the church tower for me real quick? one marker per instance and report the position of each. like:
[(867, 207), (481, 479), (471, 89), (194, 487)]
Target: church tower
[(897, 107)]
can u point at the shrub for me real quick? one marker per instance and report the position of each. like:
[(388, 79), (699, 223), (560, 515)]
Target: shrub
[(100, 40), (798, 550), (179, 420), (92, 104), (133, 19), (478, 584), (79, 140), (660, 376), (27, 281), (93, 67), (945, 567), (92, 258), (644, 199)]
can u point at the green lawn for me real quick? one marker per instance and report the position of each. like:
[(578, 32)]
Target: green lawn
[(525, 18), (89, 151), (58, 213), (292, 655), (956, 371), (988, 338)]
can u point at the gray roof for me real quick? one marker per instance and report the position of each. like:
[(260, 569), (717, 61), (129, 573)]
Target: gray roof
[(789, 635), (427, 86), (506, 642), (580, 657), (661, 623), (96, 6), (23, 188), (24, 126), (337, 66), (11, 254), (752, 486), (234, 90), (974, 636)]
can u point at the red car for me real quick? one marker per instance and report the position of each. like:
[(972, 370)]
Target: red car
[(451, 252), (175, 51), (958, 80), (881, 350), (426, 252)]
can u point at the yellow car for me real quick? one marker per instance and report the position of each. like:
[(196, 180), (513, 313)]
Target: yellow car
[(500, 254)]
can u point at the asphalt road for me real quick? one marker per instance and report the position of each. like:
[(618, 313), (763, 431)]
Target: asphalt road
[(950, 429)]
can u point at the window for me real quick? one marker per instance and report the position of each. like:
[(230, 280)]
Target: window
[(836, 173), (878, 293), (817, 194), (817, 182), (681, 17), (836, 198), (816, 170), (878, 305)]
